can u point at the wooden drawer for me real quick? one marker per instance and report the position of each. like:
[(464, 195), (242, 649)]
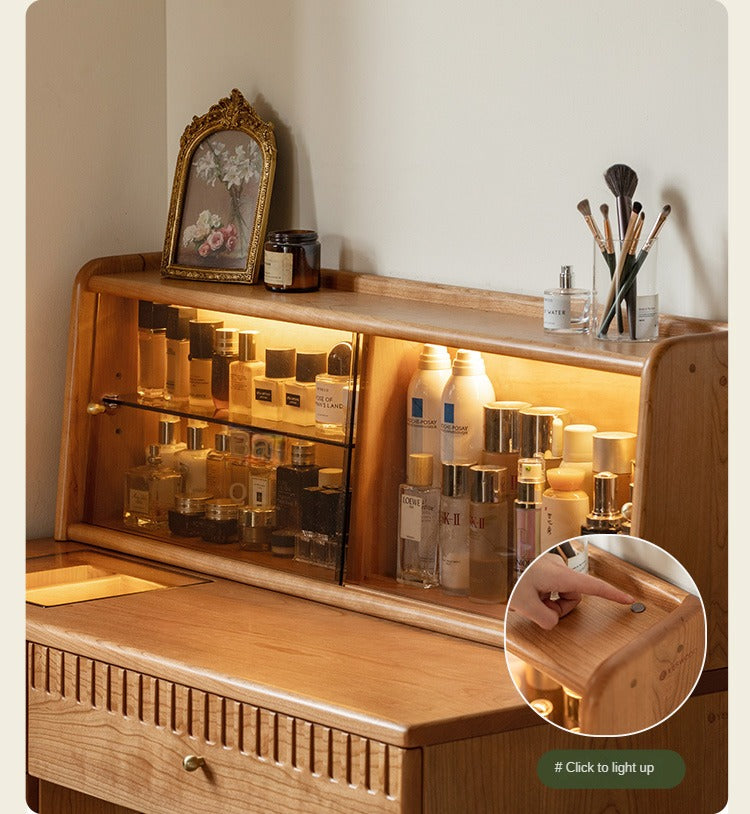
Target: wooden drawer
[(120, 735)]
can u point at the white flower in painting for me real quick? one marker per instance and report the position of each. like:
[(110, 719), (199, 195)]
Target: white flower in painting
[(204, 224), (209, 161), (189, 235)]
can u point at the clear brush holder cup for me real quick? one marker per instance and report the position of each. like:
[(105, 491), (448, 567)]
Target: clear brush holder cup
[(637, 295)]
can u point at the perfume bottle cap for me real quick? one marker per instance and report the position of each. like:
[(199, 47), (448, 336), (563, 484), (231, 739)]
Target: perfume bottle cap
[(613, 451), (168, 426), (225, 340), (246, 345), (488, 483), (566, 277), (221, 441), (434, 357), (564, 479), (468, 363), (455, 480), (310, 364), (578, 442), (340, 359), (331, 477), (152, 315), (419, 469), (195, 436), (502, 425), (542, 431), (178, 321), (280, 363), (605, 486), (153, 454), (303, 453), (202, 337)]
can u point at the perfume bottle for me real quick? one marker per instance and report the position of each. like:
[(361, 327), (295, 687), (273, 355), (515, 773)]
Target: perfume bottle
[(299, 395), (565, 506), (453, 531), (152, 350), (291, 479), (268, 390), (262, 475), (331, 402), (418, 521), (242, 374), (169, 446), (237, 462), (489, 551), (606, 516), (191, 462), (201, 355), (423, 401), (177, 389), (150, 491), (528, 512), (217, 470), (567, 309), (225, 352), (322, 520)]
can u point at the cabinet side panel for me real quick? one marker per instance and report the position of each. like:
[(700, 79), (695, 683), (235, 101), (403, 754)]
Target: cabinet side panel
[(681, 480)]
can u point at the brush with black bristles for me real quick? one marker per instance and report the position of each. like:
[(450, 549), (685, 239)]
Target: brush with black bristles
[(622, 181), (585, 209), (608, 243)]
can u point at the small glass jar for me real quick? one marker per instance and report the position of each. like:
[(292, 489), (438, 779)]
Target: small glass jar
[(282, 542), (186, 518), (220, 523), (291, 261), (256, 525)]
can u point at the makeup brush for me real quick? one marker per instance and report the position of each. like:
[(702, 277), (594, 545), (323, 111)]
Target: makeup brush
[(608, 244), (585, 210), (622, 181), (630, 296), (615, 285)]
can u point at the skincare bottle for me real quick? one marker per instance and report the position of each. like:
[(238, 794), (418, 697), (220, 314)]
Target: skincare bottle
[(150, 491), (466, 392), (291, 479), (606, 516), (242, 374), (331, 402), (542, 433), (423, 403), (177, 388), (453, 532), (488, 535), (201, 355), (169, 446), (225, 352), (217, 471), (615, 452), (578, 453), (268, 390), (567, 310), (238, 463), (418, 520), (564, 506), (528, 512), (191, 462), (262, 478), (299, 395), (152, 350)]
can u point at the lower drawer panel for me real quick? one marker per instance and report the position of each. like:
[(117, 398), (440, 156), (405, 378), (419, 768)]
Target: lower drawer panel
[(122, 736)]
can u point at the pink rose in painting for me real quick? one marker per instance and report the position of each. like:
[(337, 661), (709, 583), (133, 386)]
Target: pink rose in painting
[(204, 249), (215, 240), (230, 230), (231, 243)]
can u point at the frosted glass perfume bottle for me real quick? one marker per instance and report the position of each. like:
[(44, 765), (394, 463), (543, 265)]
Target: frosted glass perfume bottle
[(150, 491), (423, 403), (489, 551), (567, 309), (168, 434), (299, 395), (331, 402), (268, 390), (418, 522), (242, 374), (225, 352), (177, 389), (201, 355), (453, 532), (152, 350), (191, 462)]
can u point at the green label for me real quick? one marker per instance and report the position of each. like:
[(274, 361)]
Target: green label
[(611, 769)]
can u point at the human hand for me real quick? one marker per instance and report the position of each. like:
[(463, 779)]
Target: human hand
[(549, 575)]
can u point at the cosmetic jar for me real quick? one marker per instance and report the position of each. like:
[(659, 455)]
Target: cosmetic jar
[(220, 522), (292, 261), (282, 542), (186, 518), (256, 525)]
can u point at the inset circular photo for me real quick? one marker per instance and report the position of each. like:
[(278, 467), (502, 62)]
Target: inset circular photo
[(605, 635)]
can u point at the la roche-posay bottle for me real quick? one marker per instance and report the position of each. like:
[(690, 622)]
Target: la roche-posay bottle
[(423, 403), (418, 521), (466, 392), (453, 533), (177, 388), (565, 506), (202, 332), (152, 350), (242, 374), (331, 400), (489, 551), (191, 462)]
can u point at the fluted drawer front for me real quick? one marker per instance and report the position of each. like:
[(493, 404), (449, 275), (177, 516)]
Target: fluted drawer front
[(122, 736)]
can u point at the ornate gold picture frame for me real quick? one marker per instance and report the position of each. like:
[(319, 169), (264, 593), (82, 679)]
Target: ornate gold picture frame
[(220, 196)]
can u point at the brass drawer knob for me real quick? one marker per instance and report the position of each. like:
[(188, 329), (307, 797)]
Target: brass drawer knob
[(95, 408), (192, 762)]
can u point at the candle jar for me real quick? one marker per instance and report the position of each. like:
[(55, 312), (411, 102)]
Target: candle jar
[(220, 522), (291, 261), (186, 518)]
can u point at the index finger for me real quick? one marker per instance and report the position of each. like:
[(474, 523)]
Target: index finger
[(570, 580)]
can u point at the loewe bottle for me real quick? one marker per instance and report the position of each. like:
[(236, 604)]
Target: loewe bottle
[(423, 402), (201, 356), (152, 350), (466, 392), (418, 520)]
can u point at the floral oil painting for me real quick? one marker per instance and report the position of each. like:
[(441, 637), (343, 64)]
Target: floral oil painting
[(220, 201)]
